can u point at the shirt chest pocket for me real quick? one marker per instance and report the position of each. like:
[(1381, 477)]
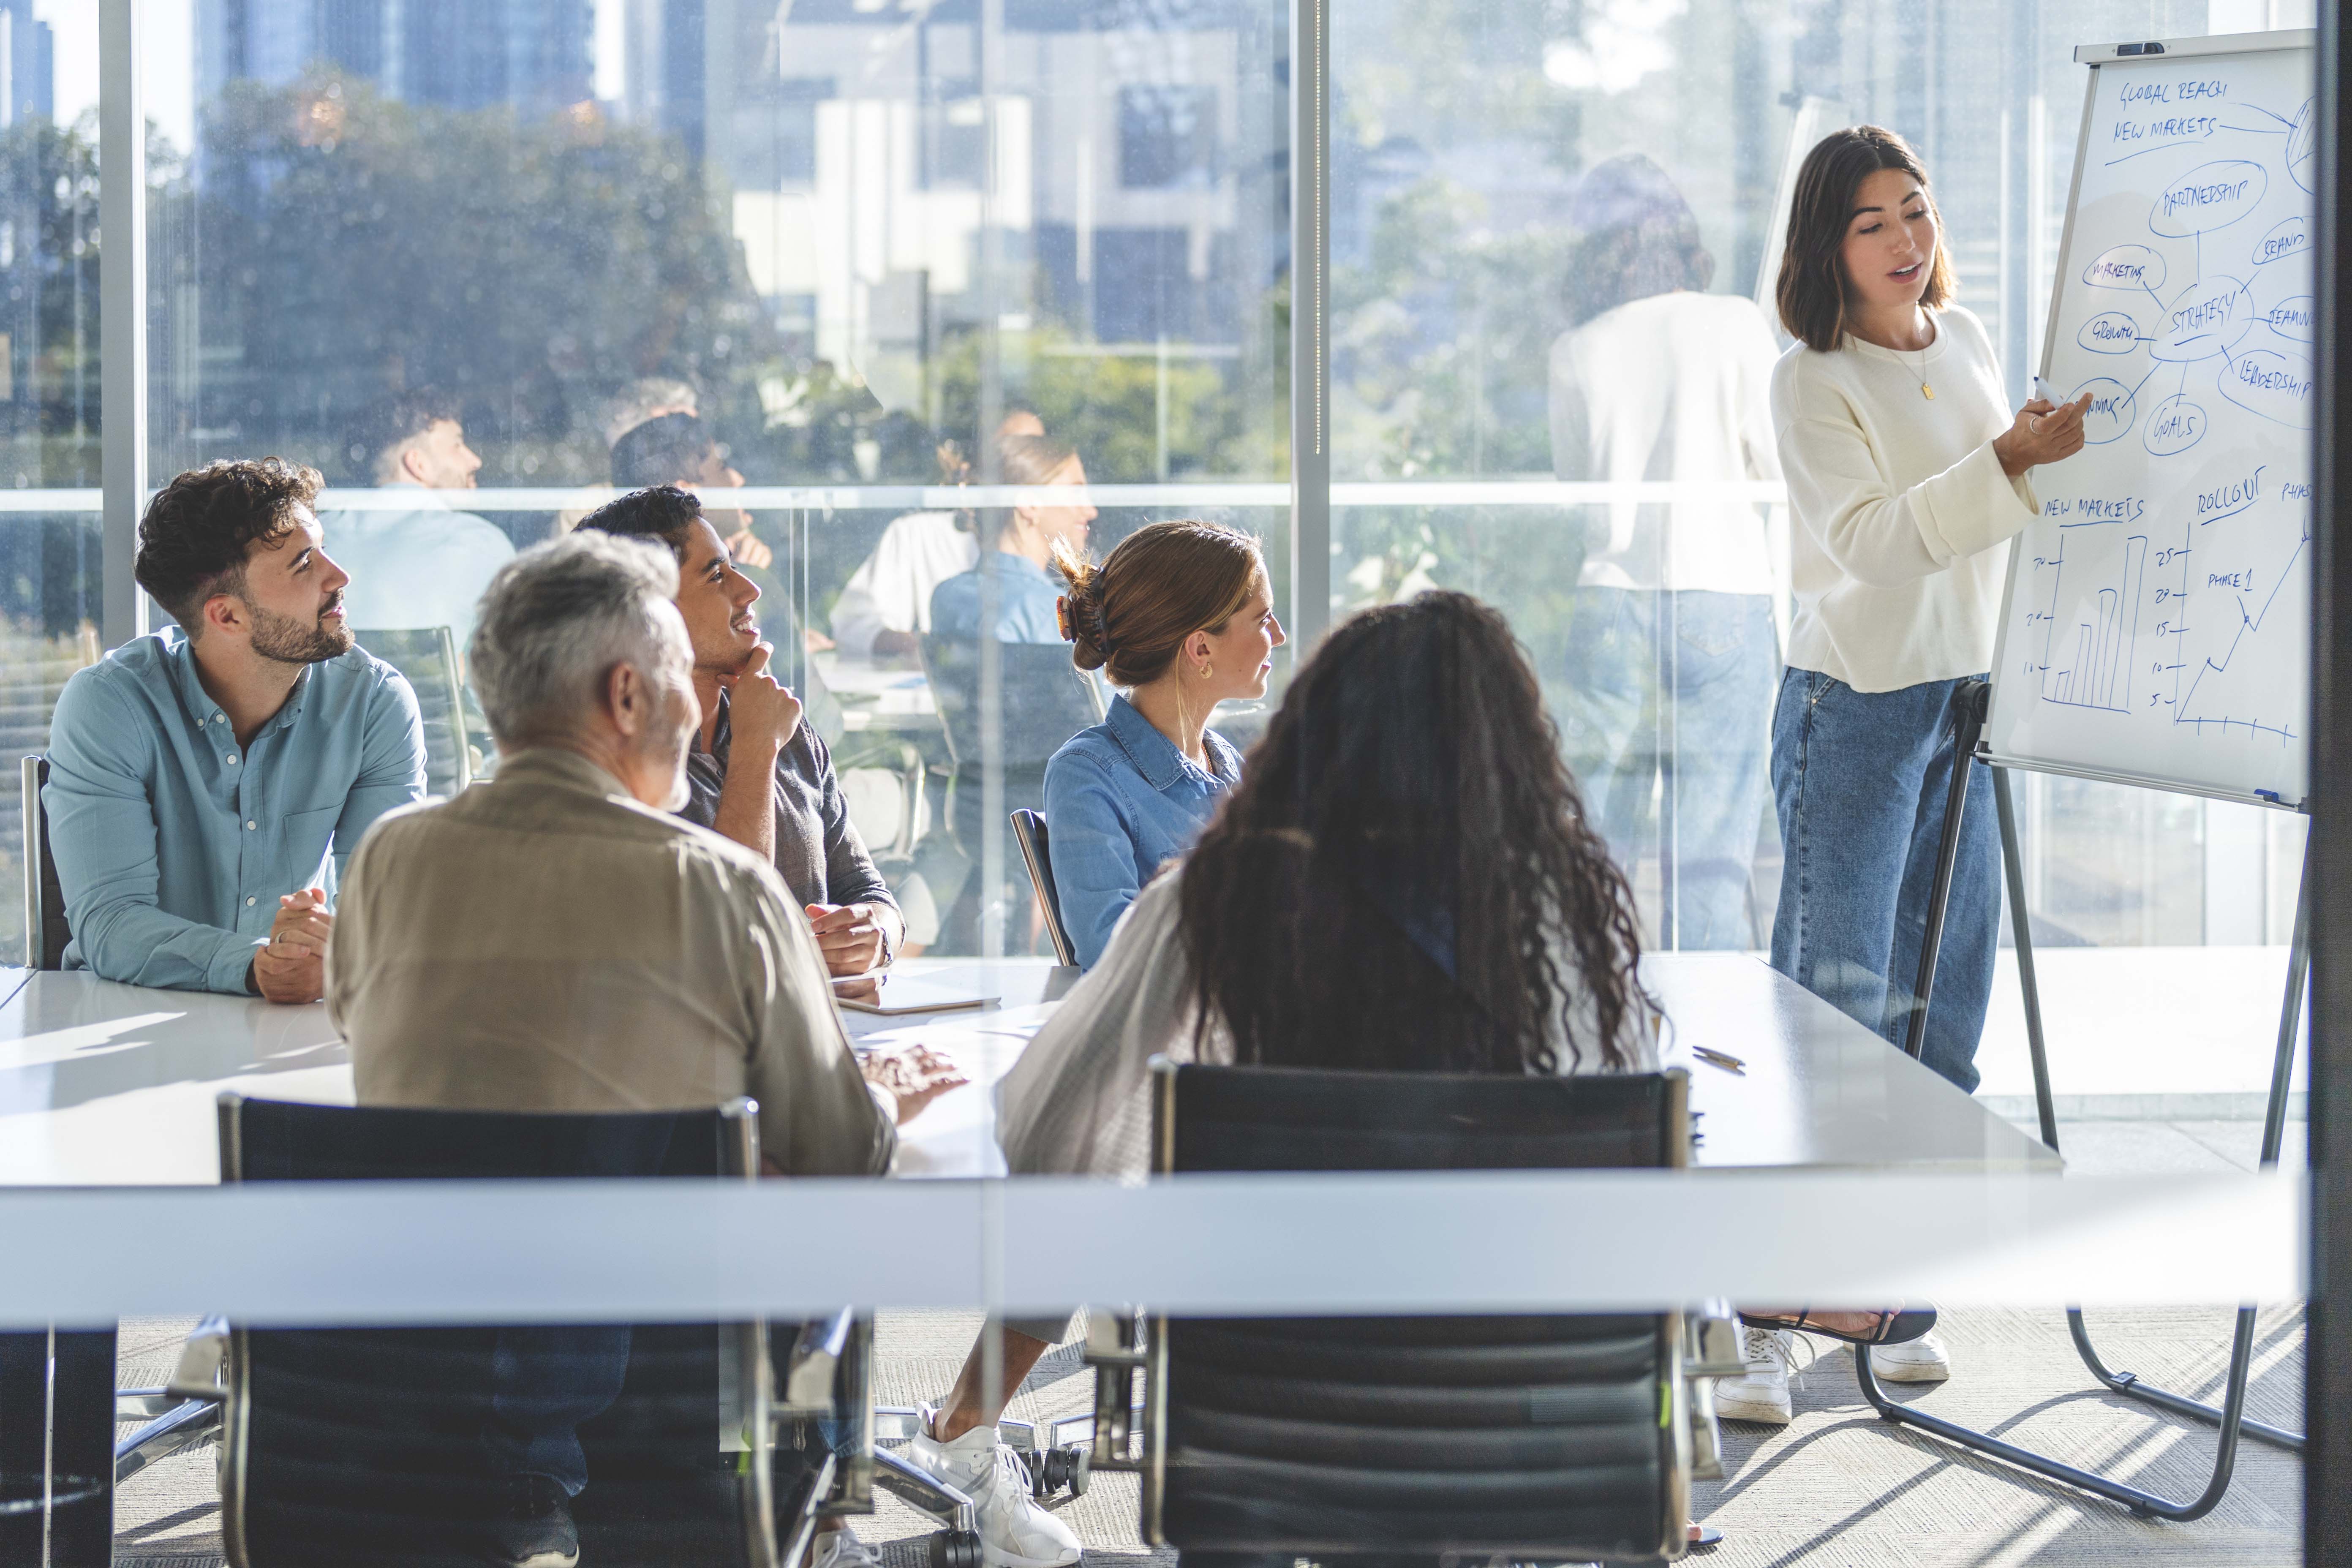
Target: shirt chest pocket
[(290, 851)]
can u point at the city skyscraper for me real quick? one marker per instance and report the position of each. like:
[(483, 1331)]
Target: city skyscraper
[(464, 54)]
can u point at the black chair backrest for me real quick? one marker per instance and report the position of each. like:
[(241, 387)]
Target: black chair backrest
[(1284, 1119), (1044, 699), (363, 1444), (272, 1141), (1029, 831), (46, 930), (1530, 1436)]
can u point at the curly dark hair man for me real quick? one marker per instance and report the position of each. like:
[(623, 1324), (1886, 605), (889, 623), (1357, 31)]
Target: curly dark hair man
[(201, 530), (202, 778)]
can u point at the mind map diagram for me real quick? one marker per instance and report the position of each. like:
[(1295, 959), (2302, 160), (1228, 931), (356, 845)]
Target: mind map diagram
[(2175, 547)]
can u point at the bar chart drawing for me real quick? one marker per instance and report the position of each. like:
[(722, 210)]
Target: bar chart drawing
[(2098, 654)]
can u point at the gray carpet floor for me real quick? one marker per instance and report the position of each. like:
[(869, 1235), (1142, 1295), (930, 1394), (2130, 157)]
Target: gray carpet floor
[(1835, 1489)]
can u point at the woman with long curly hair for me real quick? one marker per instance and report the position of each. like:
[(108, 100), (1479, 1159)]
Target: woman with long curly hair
[(1403, 881)]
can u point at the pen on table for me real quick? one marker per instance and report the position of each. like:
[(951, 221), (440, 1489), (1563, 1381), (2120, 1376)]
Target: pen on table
[(1723, 1060)]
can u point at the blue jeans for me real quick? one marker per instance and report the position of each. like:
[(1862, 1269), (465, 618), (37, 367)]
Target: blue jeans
[(1672, 689), (1861, 778), (544, 1382)]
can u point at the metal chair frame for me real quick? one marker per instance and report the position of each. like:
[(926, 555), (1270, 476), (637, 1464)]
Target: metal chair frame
[(1036, 846), (40, 870)]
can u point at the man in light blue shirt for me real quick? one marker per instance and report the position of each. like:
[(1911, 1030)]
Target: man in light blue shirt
[(421, 563), (200, 777)]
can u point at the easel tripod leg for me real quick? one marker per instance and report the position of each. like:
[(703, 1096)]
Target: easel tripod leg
[(1969, 704), (2298, 966), (2230, 1418)]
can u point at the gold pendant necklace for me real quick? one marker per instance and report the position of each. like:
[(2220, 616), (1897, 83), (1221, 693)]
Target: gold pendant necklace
[(1925, 389)]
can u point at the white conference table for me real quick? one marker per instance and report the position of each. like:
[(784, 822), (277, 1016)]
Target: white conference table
[(102, 1084)]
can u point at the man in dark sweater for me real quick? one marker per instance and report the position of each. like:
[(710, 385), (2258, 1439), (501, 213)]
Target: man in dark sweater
[(756, 773)]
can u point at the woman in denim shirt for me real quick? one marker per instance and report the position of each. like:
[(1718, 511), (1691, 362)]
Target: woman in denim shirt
[(1181, 616)]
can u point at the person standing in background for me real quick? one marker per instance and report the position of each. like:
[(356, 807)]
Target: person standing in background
[(1672, 649), (1906, 475), (886, 606), (424, 562)]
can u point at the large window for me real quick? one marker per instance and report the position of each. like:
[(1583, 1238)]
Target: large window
[(49, 422), (855, 241), (1492, 162)]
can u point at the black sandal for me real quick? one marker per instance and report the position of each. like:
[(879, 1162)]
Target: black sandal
[(1893, 1328)]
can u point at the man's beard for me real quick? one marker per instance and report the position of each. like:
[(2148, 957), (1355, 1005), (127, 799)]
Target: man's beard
[(289, 641)]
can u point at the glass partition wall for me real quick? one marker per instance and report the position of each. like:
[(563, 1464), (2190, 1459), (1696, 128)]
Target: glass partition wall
[(50, 547), (885, 283), (1532, 208), (857, 243)]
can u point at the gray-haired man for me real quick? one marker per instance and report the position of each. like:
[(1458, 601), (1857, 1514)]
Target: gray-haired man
[(554, 940)]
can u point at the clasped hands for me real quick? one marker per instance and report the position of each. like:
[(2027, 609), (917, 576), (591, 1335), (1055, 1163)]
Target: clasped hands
[(291, 967)]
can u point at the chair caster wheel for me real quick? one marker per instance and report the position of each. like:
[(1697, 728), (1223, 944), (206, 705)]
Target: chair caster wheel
[(955, 1549), (1050, 1469)]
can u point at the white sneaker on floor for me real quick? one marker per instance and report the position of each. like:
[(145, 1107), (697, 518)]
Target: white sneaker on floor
[(840, 1549), (1923, 1360), (1015, 1531), (1762, 1393)]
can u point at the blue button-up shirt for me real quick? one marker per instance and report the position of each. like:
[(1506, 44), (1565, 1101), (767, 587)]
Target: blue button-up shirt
[(174, 842), (1026, 595), (1120, 800)]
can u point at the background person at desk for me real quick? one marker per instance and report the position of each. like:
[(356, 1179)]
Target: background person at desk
[(756, 775), (1016, 549), (555, 940), (200, 777), (1016, 566), (1183, 616), (886, 606), (680, 449)]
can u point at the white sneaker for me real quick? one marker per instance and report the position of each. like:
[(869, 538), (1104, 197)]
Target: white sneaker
[(1762, 1393), (1923, 1360), (840, 1549), (1015, 1532)]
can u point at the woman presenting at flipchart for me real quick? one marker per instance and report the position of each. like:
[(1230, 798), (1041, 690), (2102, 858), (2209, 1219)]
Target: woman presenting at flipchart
[(1907, 477)]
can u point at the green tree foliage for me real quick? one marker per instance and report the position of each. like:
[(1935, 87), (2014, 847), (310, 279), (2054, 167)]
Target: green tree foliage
[(48, 268), (346, 244)]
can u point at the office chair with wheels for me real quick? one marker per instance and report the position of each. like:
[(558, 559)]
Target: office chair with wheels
[(46, 931), (1531, 1438), (363, 1446), (427, 657), (1029, 831)]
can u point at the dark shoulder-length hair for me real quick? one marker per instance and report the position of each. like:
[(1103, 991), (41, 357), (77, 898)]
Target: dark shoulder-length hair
[(1636, 236), (1813, 289), (1404, 880)]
